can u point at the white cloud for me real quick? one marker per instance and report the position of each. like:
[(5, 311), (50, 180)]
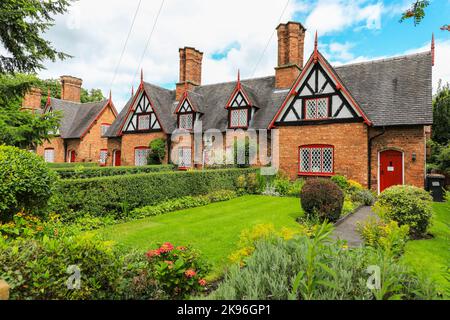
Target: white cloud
[(332, 16)]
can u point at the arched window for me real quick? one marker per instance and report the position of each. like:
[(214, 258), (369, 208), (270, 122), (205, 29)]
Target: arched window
[(317, 159)]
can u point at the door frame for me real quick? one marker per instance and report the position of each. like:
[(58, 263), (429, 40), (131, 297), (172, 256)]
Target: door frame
[(69, 156), (378, 164), (114, 164)]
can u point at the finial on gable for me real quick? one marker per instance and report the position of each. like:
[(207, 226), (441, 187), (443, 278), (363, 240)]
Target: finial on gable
[(132, 90), (316, 50), (142, 77), (110, 95), (432, 49), (239, 79)]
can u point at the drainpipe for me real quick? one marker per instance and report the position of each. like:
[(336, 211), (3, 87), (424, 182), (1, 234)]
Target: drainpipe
[(65, 150), (169, 146), (369, 158)]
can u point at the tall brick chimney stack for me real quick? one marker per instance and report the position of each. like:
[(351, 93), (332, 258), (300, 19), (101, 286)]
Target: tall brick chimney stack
[(32, 100), (71, 88), (291, 39), (190, 70)]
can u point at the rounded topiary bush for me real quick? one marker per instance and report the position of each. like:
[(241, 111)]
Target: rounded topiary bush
[(408, 205), (26, 183), (322, 198)]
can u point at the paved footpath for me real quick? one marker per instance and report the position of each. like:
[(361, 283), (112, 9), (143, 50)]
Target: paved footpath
[(346, 230)]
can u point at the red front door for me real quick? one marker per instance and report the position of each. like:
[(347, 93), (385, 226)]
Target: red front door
[(72, 156), (391, 169), (117, 155)]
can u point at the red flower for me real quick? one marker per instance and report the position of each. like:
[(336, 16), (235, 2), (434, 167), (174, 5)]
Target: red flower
[(153, 253), (190, 273), (166, 247), (202, 282)]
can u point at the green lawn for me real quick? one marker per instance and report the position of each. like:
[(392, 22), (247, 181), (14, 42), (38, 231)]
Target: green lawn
[(213, 229), (432, 257)]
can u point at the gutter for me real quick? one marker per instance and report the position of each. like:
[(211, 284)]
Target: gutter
[(369, 158)]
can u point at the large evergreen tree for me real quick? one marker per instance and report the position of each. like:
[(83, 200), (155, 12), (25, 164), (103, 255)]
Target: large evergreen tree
[(441, 115)]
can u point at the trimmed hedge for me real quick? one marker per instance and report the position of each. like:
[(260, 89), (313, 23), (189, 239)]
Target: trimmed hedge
[(56, 165), (119, 195), (78, 173)]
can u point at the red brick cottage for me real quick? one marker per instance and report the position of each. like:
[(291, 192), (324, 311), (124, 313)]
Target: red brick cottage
[(81, 136), (366, 121)]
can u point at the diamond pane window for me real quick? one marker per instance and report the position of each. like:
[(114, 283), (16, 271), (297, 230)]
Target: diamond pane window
[(184, 157), (186, 121), (316, 108), (140, 156), (239, 118), (144, 122), (316, 160), (103, 156)]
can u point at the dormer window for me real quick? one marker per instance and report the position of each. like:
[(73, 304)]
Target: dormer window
[(239, 111), (186, 115), (316, 108)]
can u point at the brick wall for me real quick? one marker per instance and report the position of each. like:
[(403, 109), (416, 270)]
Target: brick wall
[(113, 144), (408, 140), (131, 141), (349, 141)]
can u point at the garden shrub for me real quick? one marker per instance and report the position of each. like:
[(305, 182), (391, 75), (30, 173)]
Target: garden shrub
[(26, 183), (295, 187), (322, 197), (408, 205), (364, 197), (157, 151), (79, 172), (71, 165), (22, 225), (117, 195), (182, 203), (179, 271), (341, 181), (37, 269), (272, 272), (388, 236), (249, 238)]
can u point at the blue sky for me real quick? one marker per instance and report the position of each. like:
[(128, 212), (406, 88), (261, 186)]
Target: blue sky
[(233, 35)]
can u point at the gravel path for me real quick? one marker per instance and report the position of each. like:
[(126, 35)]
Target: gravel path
[(346, 230)]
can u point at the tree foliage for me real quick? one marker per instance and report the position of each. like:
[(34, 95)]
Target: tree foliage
[(23, 23), (416, 11), (441, 115), (19, 128)]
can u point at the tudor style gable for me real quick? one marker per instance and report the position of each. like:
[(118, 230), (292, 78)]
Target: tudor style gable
[(142, 117), (318, 96), (240, 107)]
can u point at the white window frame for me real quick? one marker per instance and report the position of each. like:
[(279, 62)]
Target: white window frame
[(316, 108), (103, 157), (184, 122), (49, 155), (184, 162), (104, 128), (139, 128)]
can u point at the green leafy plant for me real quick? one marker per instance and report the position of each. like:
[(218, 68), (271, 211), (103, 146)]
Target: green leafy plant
[(323, 198), (416, 12), (182, 203), (388, 236), (341, 181), (81, 171), (408, 205), (364, 197), (26, 183), (157, 151)]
